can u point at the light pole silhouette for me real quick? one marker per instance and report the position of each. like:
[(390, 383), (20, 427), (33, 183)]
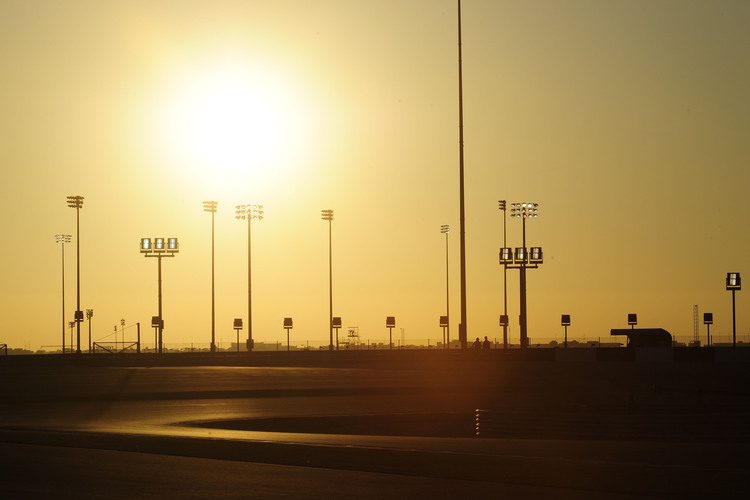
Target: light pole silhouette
[(159, 248), (734, 283), (462, 332), (89, 315), (523, 258), (502, 206), (63, 239), (445, 229), (210, 206), (77, 203), (249, 213), (328, 215)]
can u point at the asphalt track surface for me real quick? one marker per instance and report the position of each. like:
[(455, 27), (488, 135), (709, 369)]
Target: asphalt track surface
[(78, 431)]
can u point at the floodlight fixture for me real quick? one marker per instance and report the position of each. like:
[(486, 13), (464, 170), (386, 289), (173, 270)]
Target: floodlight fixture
[(75, 202), (506, 255), (708, 318), (443, 321), (326, 214), (734, 281), (501, 205), (632, 319), (210, 206), (146, 245), (535, 255), (504, 320), (565, 320), (520, 256)]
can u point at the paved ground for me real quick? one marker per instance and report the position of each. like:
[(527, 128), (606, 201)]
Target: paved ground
[(161, 432)]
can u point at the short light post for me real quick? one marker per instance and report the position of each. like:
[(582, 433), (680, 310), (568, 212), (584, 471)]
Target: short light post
[(734, 283), (327, 215), (504, 324), (249, 213), (210, 206), (159, 248), (336, 324), (523, 259), (390, 323), (63, 239), (288, 325), (632, 320), (565, 321), (77, 203), (237, 327), (122, 325), (89, 315), (444, 326), (71, 324), (708, 319)]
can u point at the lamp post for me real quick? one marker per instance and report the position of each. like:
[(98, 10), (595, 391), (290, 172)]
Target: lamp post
[(502, 206), (708, 319), (89, 315), (524, 211), (445, 229), (63, 239), (77, 203), (565, 322), (159, 248), (734, 283), (210, 206), (288, 325), (328, 215), (249, 213), (462, 333), (390, 323)]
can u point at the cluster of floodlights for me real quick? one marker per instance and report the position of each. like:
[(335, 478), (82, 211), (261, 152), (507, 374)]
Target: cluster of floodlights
[(159, 245), (534, 256), (249, 212), (525, 210)]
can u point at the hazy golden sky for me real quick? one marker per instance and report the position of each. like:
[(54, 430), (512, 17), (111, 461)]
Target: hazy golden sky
[(627, 121)]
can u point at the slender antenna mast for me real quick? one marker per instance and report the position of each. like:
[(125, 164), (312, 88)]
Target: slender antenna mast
[(462, 335)]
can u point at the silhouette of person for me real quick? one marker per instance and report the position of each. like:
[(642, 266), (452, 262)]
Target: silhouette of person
[(477, 344), (486, 344)]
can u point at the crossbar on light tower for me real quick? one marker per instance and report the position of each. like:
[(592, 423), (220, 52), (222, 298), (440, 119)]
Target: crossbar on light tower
[(249, 213), (77, 203), (328, 216), (210, 206)]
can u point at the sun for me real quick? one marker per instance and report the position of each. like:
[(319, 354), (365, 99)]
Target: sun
[(230, 122)]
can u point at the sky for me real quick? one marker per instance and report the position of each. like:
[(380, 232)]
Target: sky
[(628, 122)]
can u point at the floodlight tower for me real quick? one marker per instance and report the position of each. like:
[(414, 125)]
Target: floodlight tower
[(63, 239), (523, 211), (77, 203), (210, 206), (249, 213), (159, 248), (328, 215)]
